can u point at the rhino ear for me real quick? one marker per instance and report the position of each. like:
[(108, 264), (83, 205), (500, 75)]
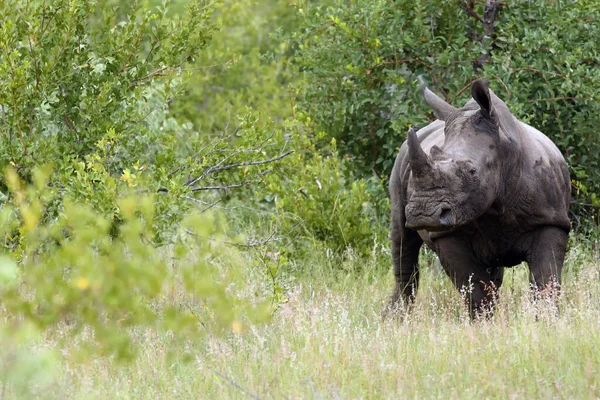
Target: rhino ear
[(435, 151), (440, 108), (480, 92)]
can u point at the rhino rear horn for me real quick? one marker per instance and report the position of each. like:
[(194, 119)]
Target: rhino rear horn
[(419, 162), (441, 109), (480, 91)]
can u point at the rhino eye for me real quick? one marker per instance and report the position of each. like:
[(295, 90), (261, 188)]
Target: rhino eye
[(472, 171)]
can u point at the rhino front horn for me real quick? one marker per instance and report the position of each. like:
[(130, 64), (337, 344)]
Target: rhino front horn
[(419, 163)]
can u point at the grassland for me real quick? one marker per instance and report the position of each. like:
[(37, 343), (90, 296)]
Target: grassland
[(329, 341)]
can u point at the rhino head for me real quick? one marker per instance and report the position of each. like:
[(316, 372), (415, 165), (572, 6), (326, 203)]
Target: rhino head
[(458, 182)]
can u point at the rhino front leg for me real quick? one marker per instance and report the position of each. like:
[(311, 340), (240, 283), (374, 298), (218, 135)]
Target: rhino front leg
[(406, 244), (545, 258), (479, 284)]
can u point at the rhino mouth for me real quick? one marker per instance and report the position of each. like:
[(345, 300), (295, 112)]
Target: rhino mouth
[(442, 218)]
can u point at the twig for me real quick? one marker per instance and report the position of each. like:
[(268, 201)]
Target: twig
[(505, 87), (557, 99), (248, 163), (233, 383), (405, 60), (221, 187), (211, 206), (461, 91), (255, 243), (583, 204), (158, 72), (538, 71), (212, 168), (195, 315), (257, 210), (226, 187), (230, 166), (470, 9), (211, 143)]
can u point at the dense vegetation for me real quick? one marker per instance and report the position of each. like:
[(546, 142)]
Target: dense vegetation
[(205, 181)]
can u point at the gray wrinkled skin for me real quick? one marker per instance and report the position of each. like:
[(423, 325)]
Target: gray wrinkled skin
[(484, 191)]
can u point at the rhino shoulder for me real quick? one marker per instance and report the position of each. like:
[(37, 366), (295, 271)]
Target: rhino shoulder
[(545, 177)]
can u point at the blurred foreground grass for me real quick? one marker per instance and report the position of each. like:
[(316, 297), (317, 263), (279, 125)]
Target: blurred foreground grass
[(329, 341)]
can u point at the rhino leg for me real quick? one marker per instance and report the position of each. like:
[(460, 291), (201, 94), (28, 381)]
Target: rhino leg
[(405, 255), (545, 257), (478, 283)]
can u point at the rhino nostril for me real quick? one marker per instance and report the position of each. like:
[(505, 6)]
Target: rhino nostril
[(446, 216)]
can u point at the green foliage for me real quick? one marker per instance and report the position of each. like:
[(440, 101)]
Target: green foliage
[(72, 272), (235, 73), (85, 88), (325, 202), (26, 372), (200, 178), (364, 61), (547, 69), (361, 61), (71, 79), (330, 332)]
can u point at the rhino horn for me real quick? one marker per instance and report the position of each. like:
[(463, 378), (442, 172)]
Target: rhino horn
[(441, 109), (480, 91), (419, 162)]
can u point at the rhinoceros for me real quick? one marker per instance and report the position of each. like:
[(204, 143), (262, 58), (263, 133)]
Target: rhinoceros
[(484, 191)]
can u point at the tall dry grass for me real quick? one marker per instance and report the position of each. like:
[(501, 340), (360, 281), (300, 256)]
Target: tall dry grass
[(329, 341)]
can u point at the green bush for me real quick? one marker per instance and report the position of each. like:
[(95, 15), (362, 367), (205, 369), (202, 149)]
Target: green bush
[(361, 61), (72, 274), (364, 64), (85, 89), (75, 73), (243, 68), (317, 194)]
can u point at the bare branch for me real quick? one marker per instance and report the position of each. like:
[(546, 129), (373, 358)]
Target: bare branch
[(557, 99), (212, 169), (222, 187), (232, 208), (470, 9), (248, 163), (490, 12), (214, 145), (255, 243), (230, 186), (233, 383)]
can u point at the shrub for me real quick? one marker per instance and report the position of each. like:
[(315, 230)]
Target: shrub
[(243, 68), (365, 62), (72, 274), (86, 88), (317, 194)]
